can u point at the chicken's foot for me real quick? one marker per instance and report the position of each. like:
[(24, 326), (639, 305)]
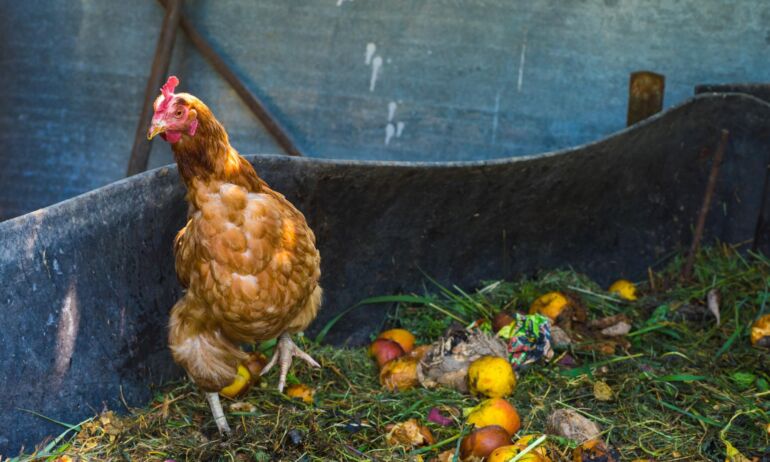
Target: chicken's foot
[(285, 350), (219, 414)]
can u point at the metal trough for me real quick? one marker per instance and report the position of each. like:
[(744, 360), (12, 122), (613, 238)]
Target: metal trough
[(87, 283)]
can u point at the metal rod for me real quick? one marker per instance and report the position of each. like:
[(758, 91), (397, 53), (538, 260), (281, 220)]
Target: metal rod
[(140, 152), (704, 210), (271, 124)]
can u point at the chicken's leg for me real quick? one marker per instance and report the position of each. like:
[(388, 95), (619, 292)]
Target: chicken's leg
[(284, 352), (219, 415)]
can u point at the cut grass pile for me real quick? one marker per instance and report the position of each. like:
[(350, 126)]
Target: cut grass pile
[(683, 388)]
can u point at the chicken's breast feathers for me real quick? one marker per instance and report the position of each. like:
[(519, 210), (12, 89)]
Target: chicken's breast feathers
[(251, 257)]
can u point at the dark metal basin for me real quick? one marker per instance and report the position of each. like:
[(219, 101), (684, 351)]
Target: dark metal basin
[(87, 283)]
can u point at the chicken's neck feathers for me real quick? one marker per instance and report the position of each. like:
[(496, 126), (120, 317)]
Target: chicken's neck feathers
[(208, 156)]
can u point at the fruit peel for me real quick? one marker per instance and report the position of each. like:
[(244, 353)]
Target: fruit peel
[(300, 391), (239, 385), (760, 332), (409, 434)]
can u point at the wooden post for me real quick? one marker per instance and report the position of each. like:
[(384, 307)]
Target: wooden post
[(645, 95), (140, 153)]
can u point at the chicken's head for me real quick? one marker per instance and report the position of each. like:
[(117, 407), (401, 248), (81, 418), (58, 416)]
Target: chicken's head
[(174, 116)]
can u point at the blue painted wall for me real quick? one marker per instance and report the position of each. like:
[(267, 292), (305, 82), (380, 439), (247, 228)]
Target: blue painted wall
[(463, 79)]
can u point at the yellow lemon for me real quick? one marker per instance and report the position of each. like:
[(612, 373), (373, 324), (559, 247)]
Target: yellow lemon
[(491, 376), (495, 411), (550, 304), (240, 383), (624, 289)]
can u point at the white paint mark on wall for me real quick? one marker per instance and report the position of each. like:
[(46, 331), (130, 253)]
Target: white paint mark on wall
[(390, 130), (376, 69), (340, 2), (371, 48), (496, 116), (400, 129), (522, 59)]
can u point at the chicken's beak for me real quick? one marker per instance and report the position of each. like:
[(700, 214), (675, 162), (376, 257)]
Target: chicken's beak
[(155, 129)]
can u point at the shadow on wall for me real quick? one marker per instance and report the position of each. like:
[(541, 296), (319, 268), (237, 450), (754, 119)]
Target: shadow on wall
[(418, 80)]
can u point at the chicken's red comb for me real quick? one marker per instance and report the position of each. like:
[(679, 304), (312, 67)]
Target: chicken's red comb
[(168, 92)]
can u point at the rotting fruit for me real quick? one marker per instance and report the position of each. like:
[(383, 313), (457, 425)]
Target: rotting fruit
[(481, 442), (495, 411), (595, 450), (401, 336), (491, 376), (399, 374), (551, 304), (624, 289), (508, 453), (760, 332), (385, 350), (300, 391)]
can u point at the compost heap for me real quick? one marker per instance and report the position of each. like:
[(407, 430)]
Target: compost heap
[(553, 367)]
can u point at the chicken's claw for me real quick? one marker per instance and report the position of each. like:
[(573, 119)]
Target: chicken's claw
[(285, 350)]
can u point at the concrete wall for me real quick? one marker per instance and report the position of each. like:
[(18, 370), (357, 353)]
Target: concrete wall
[(466, 79)]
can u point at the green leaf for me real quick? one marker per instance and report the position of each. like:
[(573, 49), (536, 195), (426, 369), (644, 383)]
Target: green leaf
[(743, 379)]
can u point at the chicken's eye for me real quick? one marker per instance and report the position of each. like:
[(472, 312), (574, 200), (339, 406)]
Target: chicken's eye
[(179, 113)]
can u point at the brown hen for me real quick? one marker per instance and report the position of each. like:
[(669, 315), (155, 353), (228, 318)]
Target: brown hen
[(246, 256)]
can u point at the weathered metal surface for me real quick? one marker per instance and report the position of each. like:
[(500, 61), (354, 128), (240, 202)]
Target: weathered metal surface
[(87, 284), (645, 95), (758, 90), (471, 79)]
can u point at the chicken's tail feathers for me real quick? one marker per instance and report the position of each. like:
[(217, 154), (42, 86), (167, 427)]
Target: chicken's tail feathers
[(199, 347)]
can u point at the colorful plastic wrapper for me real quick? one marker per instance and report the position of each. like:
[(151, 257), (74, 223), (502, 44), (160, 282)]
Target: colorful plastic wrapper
[(528, 338)]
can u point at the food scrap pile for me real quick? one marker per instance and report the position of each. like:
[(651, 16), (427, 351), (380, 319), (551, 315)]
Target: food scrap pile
[(548, 368)]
